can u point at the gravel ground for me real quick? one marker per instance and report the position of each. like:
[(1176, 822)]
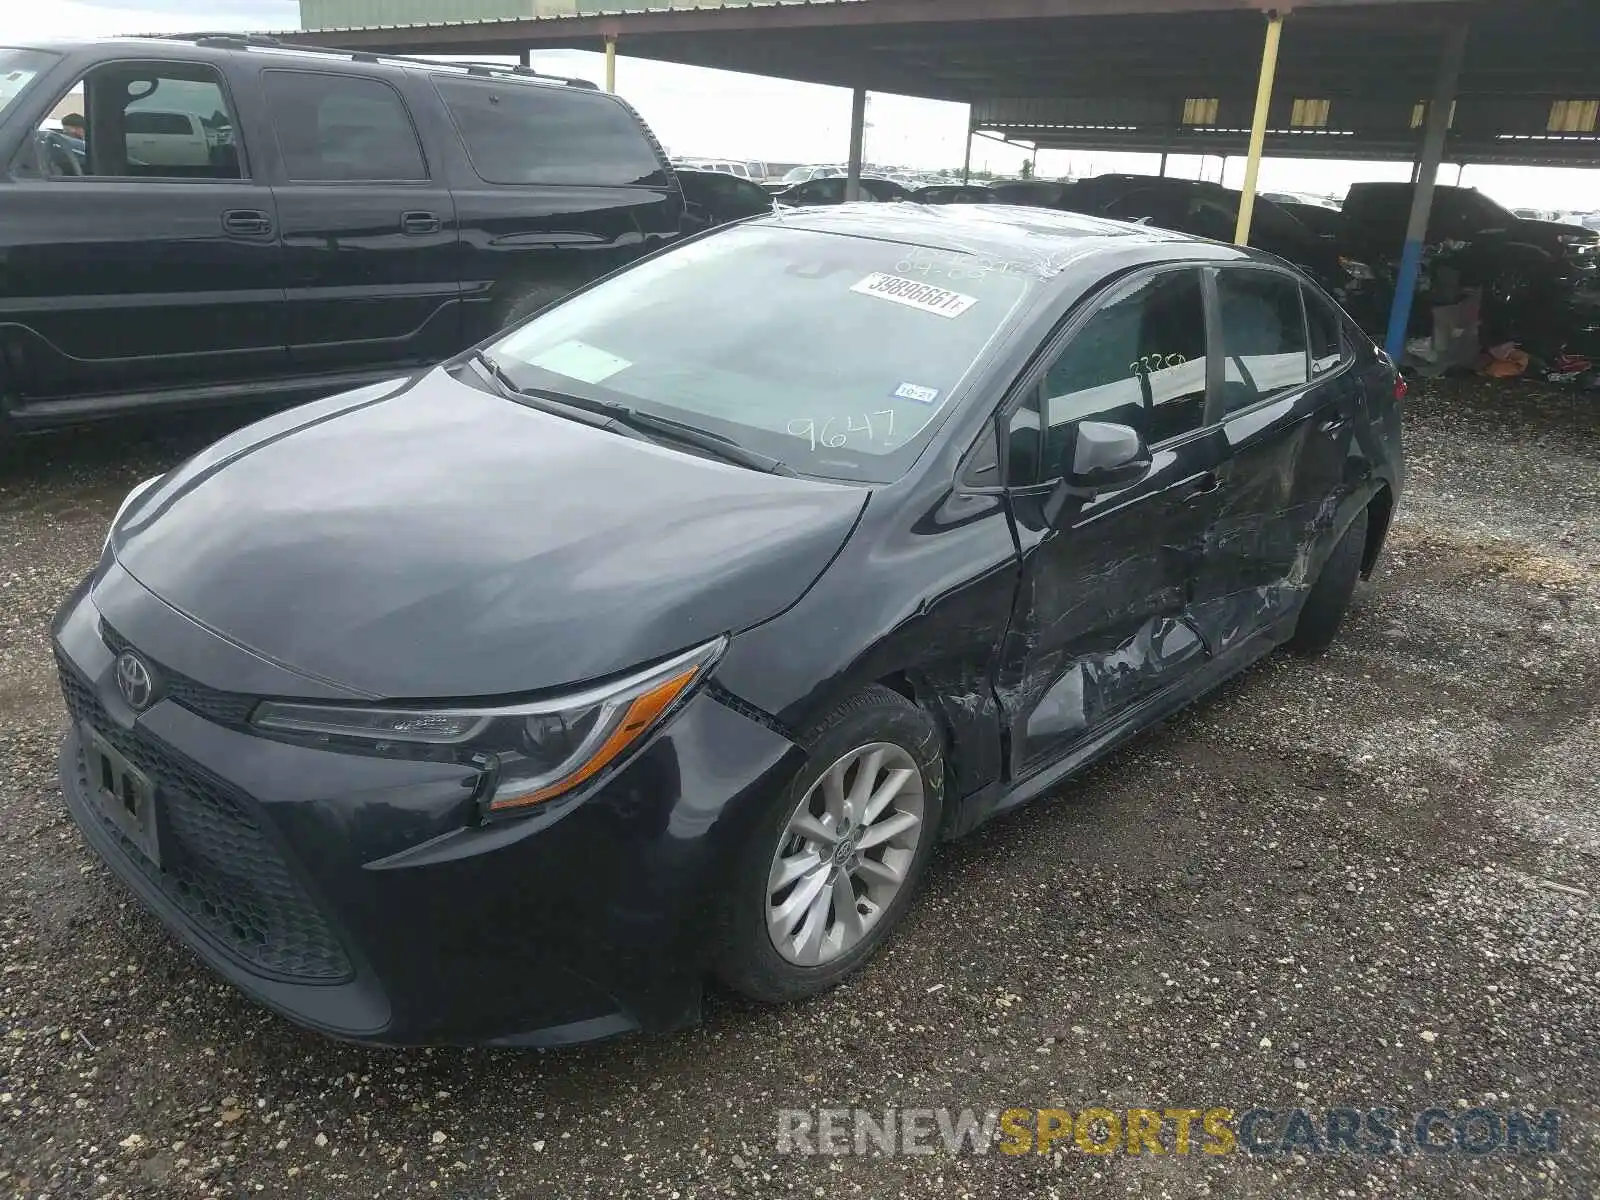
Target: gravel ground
[(1366, 880)]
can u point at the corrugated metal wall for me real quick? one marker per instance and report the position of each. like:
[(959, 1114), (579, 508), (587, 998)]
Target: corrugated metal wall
[(342, 14)]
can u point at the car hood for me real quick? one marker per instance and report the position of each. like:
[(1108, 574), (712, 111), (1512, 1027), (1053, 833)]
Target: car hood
[(1551, 231), (441, 542)]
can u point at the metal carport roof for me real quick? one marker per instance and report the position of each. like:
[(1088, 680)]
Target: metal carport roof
[(1124, 74)]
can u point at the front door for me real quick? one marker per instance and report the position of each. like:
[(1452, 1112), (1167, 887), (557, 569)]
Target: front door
[(136, 266), (1101, 617), (369, 229)]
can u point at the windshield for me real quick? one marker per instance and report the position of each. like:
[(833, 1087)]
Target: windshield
[(19, 68), (836, 355)]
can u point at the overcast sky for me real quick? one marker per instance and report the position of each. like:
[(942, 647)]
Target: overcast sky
[(719, 113)]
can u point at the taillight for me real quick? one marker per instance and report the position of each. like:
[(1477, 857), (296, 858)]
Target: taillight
[(1401, 387)]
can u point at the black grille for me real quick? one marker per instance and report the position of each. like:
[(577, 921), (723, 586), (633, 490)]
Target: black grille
[(218, 867), (225, 708)]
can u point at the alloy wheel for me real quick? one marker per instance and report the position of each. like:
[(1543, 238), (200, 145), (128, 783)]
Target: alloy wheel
[(845, 854)]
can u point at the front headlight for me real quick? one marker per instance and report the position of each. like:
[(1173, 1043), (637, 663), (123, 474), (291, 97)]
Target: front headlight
[(533, 752), (127, 503)]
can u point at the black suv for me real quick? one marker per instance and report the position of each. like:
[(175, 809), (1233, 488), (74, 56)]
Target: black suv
[(1516, 259), (252, 221)]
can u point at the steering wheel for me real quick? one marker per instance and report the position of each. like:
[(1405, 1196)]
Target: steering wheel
[(63, 160)]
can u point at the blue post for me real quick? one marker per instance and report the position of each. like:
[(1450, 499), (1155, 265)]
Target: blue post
[(1438, 129), (1405, 293)]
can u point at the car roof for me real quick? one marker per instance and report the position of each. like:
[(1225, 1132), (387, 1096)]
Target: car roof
[(1037, 241), (211, 46)]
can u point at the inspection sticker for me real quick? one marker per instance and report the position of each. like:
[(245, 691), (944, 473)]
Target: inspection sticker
[(915, 391), (581, 361), (936, 300)]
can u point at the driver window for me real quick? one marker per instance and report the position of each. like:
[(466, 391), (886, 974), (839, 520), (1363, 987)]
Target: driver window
[(156, 120), (1140, 361)]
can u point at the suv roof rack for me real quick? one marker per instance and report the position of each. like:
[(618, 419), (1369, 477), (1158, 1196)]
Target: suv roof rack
[(244, 41)]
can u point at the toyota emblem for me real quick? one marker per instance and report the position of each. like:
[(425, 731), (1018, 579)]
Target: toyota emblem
[(134, 681)]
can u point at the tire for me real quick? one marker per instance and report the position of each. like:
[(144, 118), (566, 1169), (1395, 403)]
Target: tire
[(1325, 605), (875, 723)]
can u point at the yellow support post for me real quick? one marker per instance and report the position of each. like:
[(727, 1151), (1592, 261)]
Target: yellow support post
[(1258, 126), (611, 63)]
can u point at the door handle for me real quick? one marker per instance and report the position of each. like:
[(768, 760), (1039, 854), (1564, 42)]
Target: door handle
[(1208, 484), (417, 224), (246, 222), (1334, 425)]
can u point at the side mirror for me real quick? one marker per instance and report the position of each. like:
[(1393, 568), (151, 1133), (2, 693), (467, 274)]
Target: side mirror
[(1101, 458)]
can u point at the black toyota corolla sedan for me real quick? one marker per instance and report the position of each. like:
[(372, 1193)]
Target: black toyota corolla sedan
[(664, 637)]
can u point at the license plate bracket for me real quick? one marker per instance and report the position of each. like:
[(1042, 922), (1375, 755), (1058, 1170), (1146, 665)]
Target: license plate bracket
[(125, 794)]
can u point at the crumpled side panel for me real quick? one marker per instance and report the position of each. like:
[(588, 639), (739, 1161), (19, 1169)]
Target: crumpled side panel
[(1096, 686)]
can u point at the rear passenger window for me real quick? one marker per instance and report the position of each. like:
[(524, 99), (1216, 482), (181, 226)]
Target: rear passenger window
[(532, 133), (1263, 336), (342, 128), (1326, 329)]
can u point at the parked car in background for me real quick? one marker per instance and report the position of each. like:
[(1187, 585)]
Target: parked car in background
[(166, 139), (954, 193), (662, 638), (1210, 210), (1321, 219), (1036, 193), (723, 166), (322, 219), (803, 174), (816, 192), (1519, 262), (713, 198), (1309, 199)]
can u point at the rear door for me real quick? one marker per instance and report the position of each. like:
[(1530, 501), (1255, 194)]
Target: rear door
[(369, 227), (554, 185), (1102, 621), (1288, 432), (127, 275)]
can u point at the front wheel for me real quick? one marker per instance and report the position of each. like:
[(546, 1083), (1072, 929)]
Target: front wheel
[(832, 865)]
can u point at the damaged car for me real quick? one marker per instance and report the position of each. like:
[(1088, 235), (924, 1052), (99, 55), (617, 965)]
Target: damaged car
[(662, 639)]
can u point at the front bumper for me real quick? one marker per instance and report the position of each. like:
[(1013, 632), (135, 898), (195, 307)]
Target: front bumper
[(360, 896)]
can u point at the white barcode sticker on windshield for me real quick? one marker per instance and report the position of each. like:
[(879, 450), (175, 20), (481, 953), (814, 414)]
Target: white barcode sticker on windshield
[(941, 302)]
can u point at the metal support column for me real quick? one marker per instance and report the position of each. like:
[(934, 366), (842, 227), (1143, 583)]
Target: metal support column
[(1438, 129), (1163, 164), (858, 138), (966, 166), (527, 59), (611, 63), (1258, 126)]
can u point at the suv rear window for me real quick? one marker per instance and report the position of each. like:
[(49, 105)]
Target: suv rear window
[(342, 128), (523, 133)]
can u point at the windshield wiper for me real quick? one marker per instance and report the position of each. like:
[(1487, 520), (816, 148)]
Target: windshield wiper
[(703, 439), (648, 424), (630, 422), (573, 408)]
